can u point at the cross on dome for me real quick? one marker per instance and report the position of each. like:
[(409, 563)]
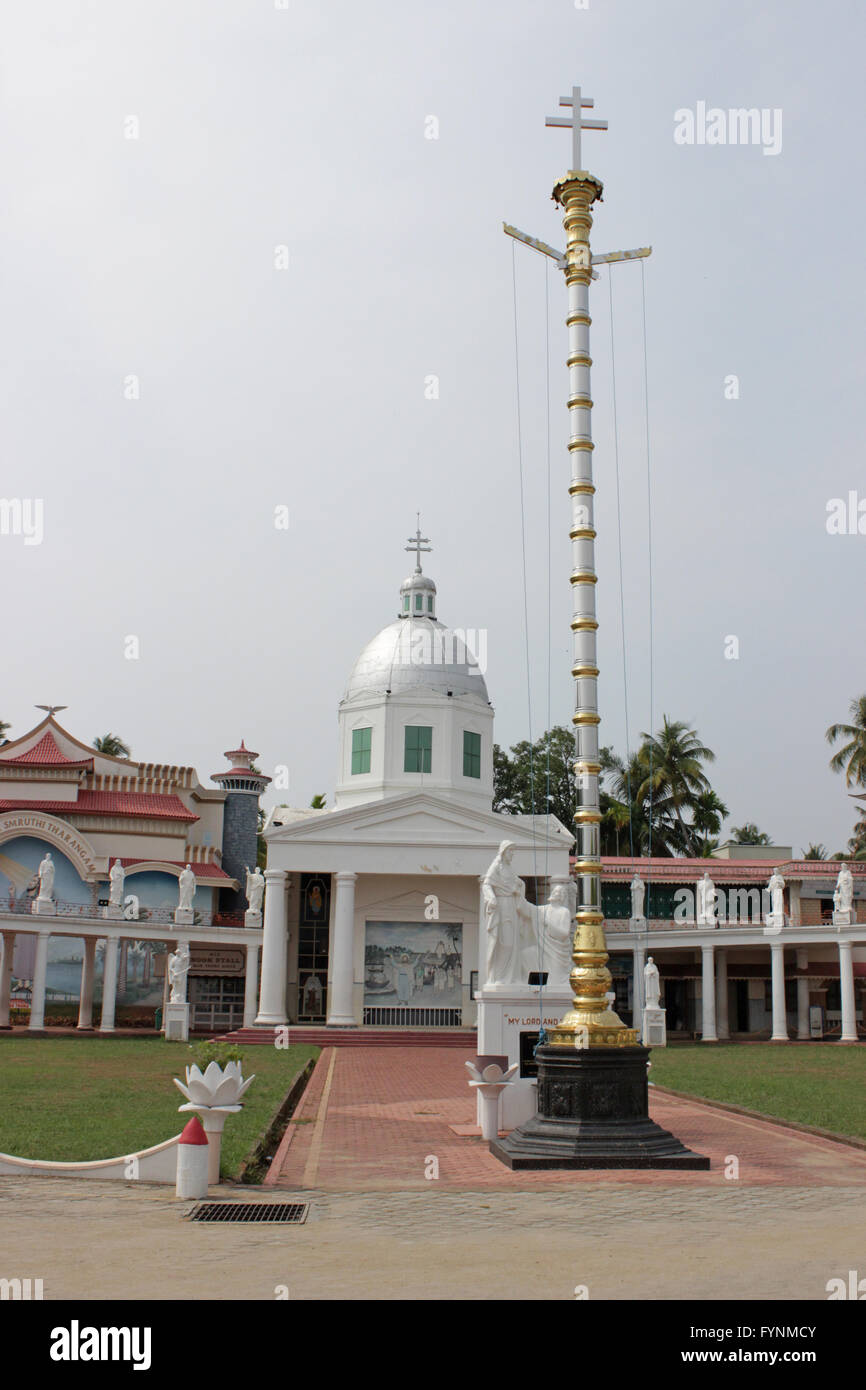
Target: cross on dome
[(419, 544), (575, 123)]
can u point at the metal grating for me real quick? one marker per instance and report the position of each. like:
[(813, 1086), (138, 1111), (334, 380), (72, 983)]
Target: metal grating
[(418, 1017), (283, 1213)]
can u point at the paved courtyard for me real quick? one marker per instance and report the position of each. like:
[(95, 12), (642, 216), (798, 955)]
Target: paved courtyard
[(377, 1228)]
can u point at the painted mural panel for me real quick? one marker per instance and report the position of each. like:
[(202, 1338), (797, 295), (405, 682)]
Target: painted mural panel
[(418, 964)]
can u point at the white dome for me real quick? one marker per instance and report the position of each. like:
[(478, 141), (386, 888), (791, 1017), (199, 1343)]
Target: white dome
[(417, 654)]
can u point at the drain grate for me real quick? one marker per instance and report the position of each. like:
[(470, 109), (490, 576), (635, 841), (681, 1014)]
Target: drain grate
[(284, 1213)]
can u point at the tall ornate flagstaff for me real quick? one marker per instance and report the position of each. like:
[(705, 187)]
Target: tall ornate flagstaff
[(592, 1073)]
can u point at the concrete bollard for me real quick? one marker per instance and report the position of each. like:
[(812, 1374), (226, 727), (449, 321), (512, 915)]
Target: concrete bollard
[(193, 1153)]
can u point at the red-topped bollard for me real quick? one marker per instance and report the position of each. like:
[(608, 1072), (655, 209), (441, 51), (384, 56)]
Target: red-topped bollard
[(192, 1161)]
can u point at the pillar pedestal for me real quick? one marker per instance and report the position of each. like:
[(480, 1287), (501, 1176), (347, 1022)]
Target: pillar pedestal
[(593, 1112)]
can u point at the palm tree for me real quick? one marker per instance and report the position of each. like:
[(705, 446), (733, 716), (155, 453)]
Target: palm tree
[(112, 746), (674, 776), (3, 727), (818, 851), (852, 755), (749, 834), (707, 816)]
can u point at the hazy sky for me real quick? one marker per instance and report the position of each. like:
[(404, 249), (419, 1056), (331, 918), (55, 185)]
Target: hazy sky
[(260, 127)]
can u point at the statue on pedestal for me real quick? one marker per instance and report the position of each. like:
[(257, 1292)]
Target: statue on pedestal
[(554, 928), (506, 917), (844, 890), (178, 968), (46, 879), (776, 889), (637, 896), (255, 890), (706, 901), (651, 983), (116, 879), (186, 888)]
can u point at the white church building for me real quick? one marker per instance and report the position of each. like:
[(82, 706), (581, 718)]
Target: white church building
[(372, 907)]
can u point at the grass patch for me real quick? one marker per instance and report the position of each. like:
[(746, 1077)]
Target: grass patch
[(74, 1099), (813, 1084)]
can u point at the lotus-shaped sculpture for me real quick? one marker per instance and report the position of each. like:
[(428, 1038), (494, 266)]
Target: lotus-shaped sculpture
[(217, 1087)]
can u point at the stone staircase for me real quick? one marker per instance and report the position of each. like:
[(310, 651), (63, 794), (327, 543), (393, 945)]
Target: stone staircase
[(317, 1036)]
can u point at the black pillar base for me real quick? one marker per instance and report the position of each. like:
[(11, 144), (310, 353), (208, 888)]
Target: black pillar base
[(593, 1112)]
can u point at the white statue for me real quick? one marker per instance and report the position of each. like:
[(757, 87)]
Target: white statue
[(178, 967), (845, 889), (46, 879), (116, 878), (186, 887), (255, 890), (506, 917), (651, 983), (554, 926), (776, 889), (637, 892), (706, 899)]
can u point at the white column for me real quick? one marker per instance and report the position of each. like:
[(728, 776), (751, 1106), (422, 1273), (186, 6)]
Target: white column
[(272, 1002), (722, 1023), (777, 962), (37, 1006), (251, 983), (482, 937), (638, 956), (340, 1011), (109, 985), (708, 996), (802, 1007), (6, 977), (846, 983), (88, 970)]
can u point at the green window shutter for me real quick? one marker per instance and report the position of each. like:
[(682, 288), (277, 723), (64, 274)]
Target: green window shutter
[(362, 742), (471, 754), (417, 749), (429, 603), (405, 603)]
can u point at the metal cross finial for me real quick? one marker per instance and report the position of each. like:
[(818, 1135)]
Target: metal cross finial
[(576, 123), (418, 543)]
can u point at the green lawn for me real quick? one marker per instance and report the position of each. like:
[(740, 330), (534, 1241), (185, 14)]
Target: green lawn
[(818, 1084), (73, 1099)]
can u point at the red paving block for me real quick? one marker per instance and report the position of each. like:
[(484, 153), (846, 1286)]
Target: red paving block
[(389, 1110)]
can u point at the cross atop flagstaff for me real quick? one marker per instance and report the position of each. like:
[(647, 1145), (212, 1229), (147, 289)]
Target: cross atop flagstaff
[(576, 123), (418, 543)]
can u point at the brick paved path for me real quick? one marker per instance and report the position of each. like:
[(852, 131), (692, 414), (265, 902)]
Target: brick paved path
[(371, 1117)]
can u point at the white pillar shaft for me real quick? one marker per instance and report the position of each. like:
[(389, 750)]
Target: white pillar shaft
[(88, 969), (722, 1023), (708, 995), (846, 986), (109, 985), (638, 965), (482, 937), (802, 1007), (780, 1021), (251, 984), (6, 976), (340, 1011), (37, 1004), (272, 1003)]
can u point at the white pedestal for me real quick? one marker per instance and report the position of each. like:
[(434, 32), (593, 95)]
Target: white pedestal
[(44, 907), (655, 1033), (176, 1022), (252, 919), (184, 916), (637, 924), (774, 922), (843, 919), (504, 1012), (112, 914)]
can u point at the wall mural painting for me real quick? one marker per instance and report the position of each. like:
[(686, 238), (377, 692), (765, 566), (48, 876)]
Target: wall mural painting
[(417, 964)]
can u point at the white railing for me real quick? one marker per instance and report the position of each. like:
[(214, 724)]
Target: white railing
[(409, 1017)]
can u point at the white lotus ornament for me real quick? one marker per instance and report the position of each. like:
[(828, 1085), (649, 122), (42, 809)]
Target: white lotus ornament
[(216, 1088)]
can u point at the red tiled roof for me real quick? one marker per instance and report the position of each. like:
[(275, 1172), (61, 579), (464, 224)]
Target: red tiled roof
[(109, 804), (47, 753), (243, 749), (203, 871)]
